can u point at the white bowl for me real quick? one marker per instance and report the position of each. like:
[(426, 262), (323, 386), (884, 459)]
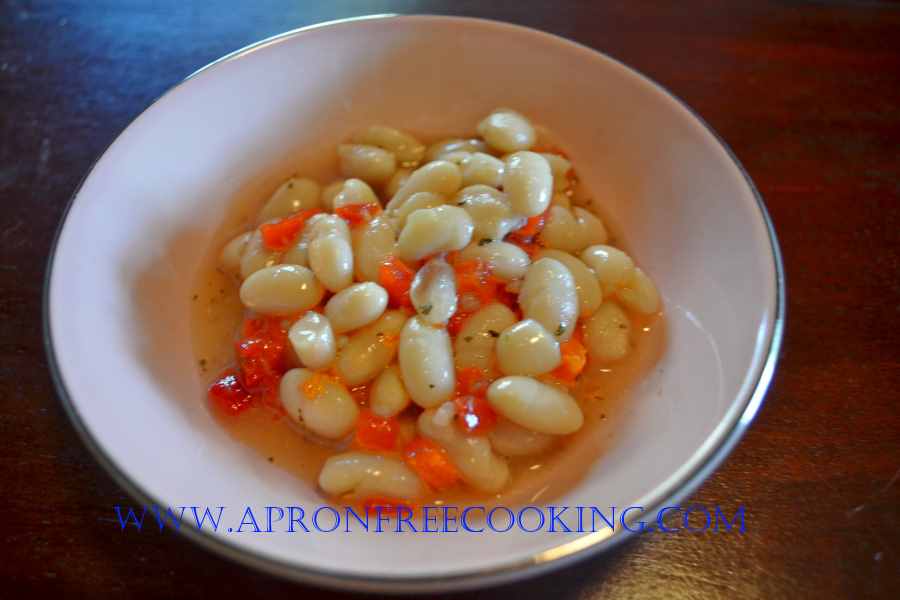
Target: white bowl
[(128, 251)]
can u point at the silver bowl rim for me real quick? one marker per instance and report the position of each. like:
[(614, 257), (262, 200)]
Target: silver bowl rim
[(716, 448)]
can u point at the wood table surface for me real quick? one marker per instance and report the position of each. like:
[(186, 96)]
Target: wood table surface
[(806, 93)]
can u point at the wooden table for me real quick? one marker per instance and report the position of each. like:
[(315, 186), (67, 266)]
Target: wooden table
[(807, 95)]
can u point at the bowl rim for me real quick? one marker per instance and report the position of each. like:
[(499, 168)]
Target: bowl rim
[(705, 460)]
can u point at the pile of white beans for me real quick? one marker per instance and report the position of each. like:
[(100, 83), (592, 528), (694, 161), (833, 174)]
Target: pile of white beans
[(461, 195)]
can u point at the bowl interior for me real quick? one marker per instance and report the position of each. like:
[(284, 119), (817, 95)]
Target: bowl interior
[(128, 255)]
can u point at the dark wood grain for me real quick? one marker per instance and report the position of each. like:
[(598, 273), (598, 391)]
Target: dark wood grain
[(808, 96)]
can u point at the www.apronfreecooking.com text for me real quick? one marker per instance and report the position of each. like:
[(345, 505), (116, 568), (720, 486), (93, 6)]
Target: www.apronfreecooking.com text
[(694, 518)]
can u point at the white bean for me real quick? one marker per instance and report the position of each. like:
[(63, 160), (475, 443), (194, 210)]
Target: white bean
[(354, 191), (433, 292), (371, 349), (293, 195), (331, 259), (432, 230), (474, 345), (372, 243), (407, 149), (560, 167), (572, 230), (281, 290), (608, 333), (527, 348), (508, 261), (560, 231), (512, 440), (457, 157), (298, 254), (438, 149), (612, 267), (590, 228), (491, 213), (396, 182), (318, 402), (317, 225), (481, 168), (639, 293), (256, 256), (426, 363), (330, 254), (507, 131), (440, 176), (388, 396), (369, 163), (535, 405), (356, 306), (417, 201), (323, 225), (329, 193), (230, 256), (586, 285), (528, 183), (313, 341), (365, 475), (479, 466), (549, 297)]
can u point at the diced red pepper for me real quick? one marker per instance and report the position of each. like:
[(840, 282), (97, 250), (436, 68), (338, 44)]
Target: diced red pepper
[(357, 214), (431, 462), (533, 226), (266, 327), (474, 414), (527, 234), (475, 280), (280, 235), (396, 278), (474, 277), (574, 358), (472, 380), (261, 355), (227, 393), (376, 433)]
